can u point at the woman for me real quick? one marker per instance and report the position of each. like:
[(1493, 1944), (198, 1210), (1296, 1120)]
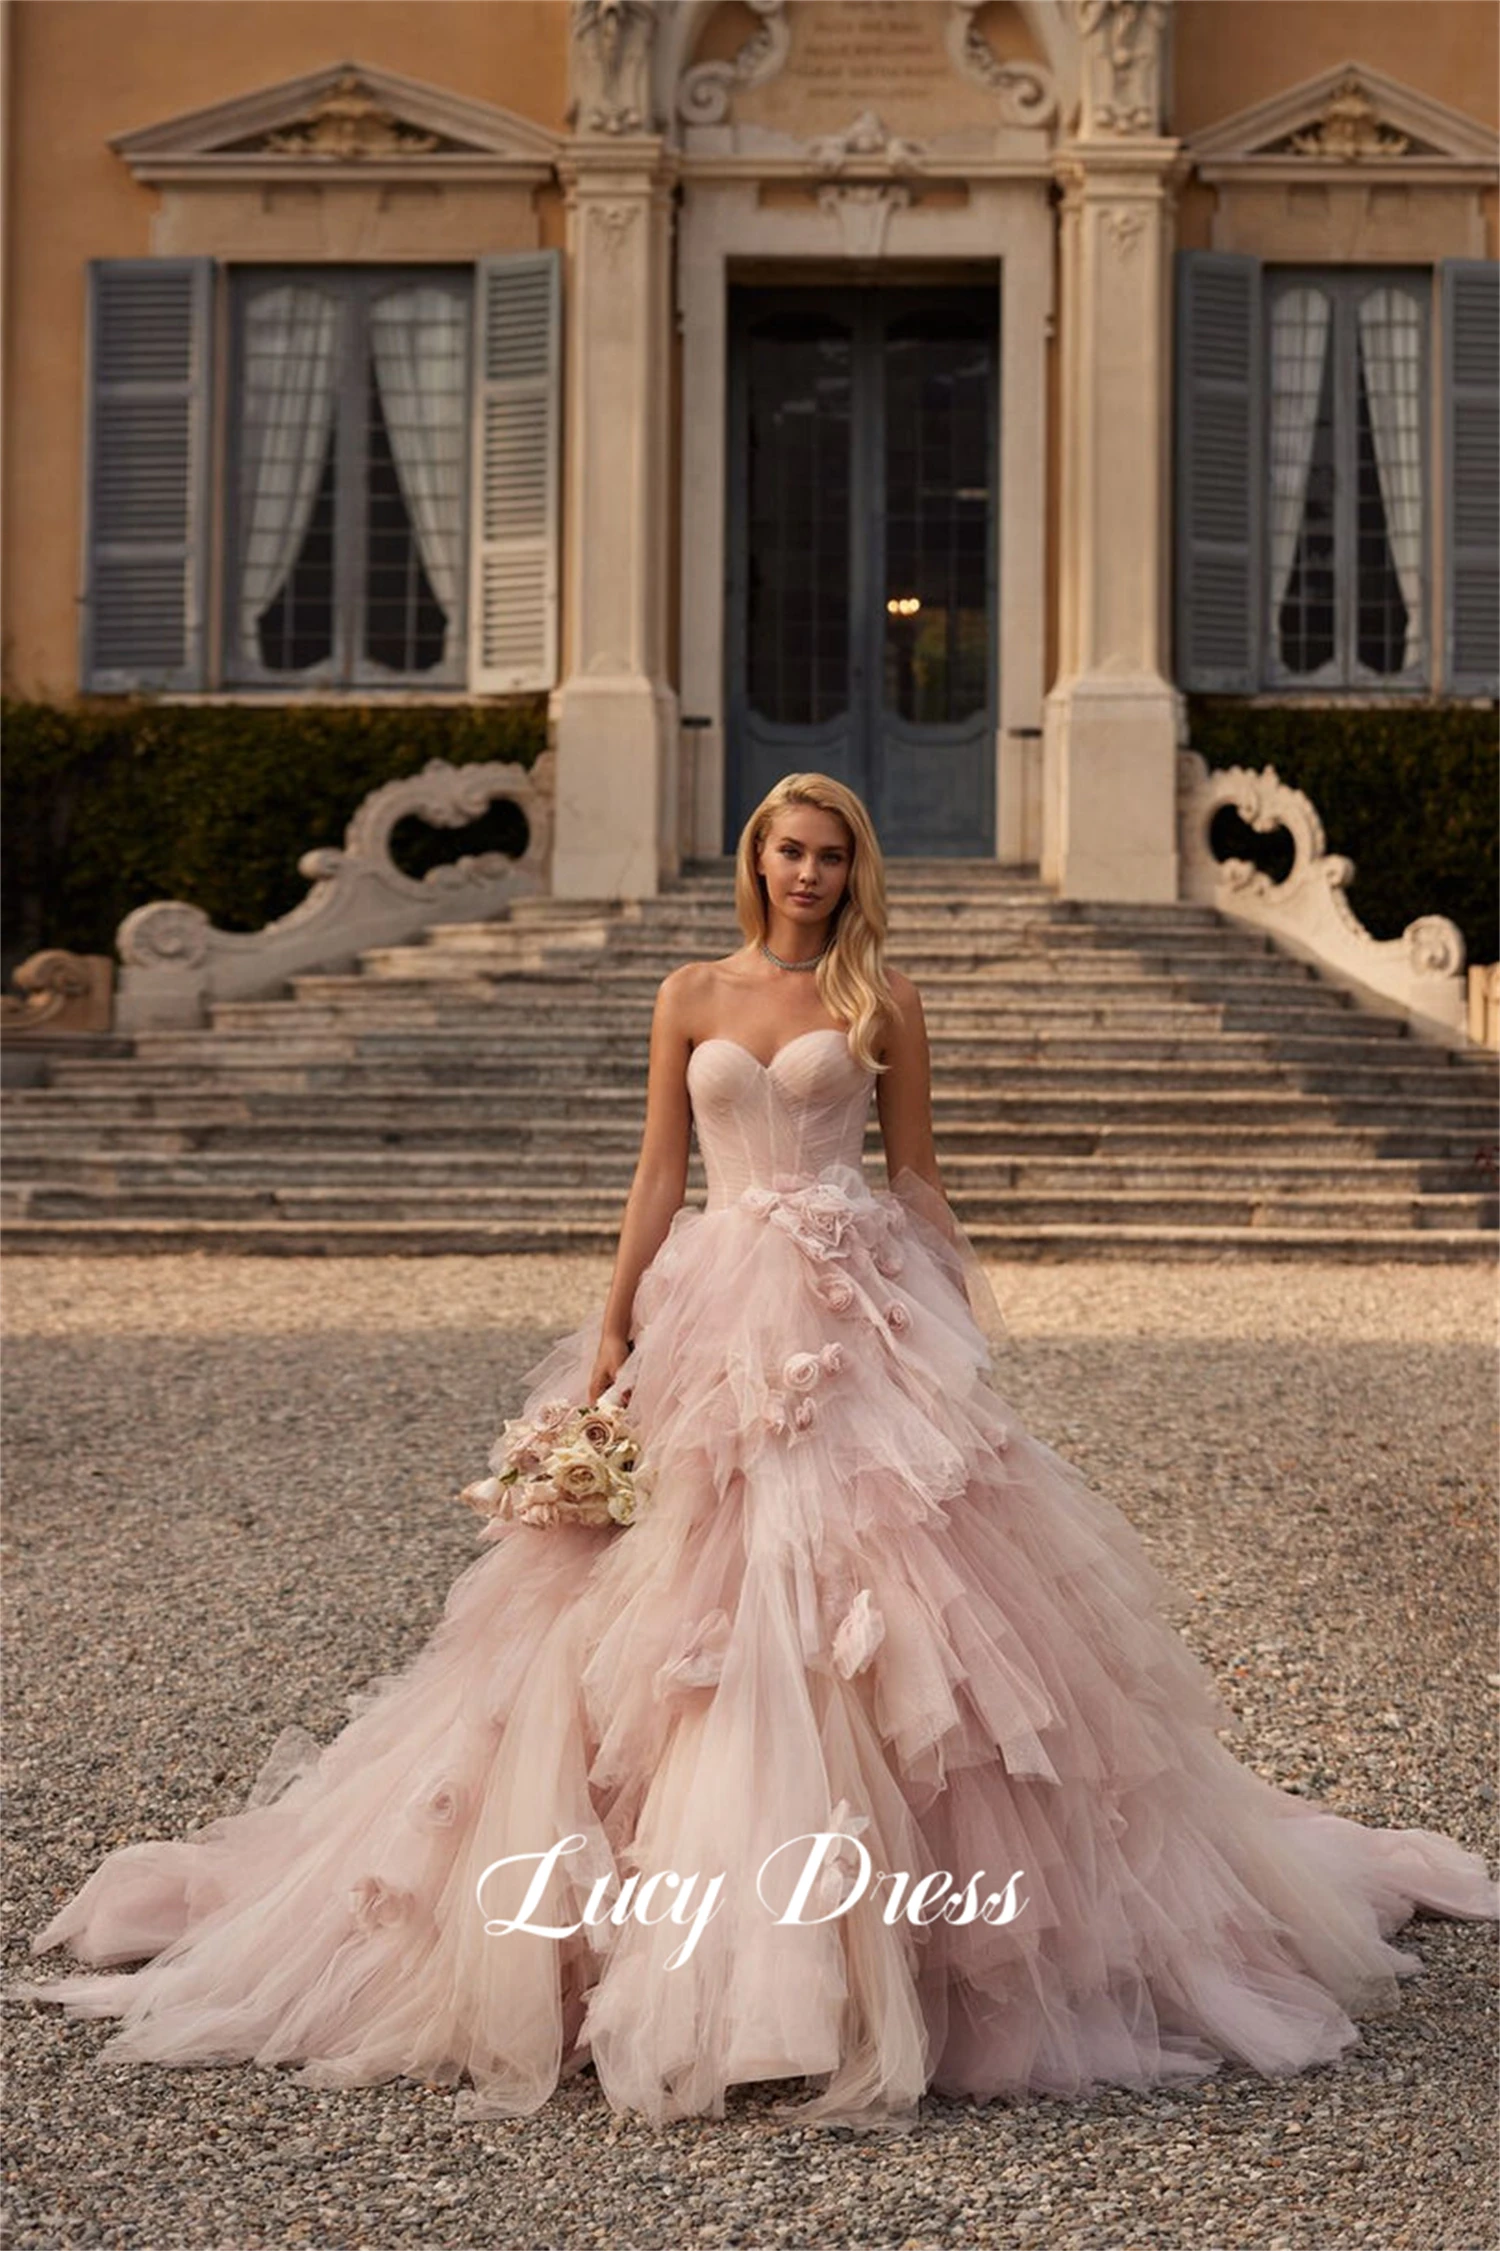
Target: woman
[(869, 1731)]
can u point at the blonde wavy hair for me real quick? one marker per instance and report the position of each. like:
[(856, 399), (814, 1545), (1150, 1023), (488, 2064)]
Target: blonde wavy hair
[(851, 977)]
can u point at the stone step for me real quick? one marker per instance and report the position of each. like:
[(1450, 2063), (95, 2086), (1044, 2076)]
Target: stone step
[(401, 1139), (1220, 1206), (714, 924), (580, 1052), (611, 1168), (1113, 1240), (496, 1011), (588, 1079), (417, 1103)]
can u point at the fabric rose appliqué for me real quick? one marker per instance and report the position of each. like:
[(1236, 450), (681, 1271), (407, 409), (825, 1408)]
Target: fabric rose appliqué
[(790, 1406), (861, 1631), (898, 1317), (438, 1806), (836, 1291), (377, 1905)]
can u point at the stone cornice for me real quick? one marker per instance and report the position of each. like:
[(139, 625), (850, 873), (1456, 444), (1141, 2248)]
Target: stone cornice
[(347, 122), (1348, 125)]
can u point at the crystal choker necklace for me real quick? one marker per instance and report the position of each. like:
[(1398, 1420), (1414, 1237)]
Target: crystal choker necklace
[(765, 949)]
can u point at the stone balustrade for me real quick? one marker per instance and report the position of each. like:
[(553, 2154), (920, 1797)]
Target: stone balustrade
[(175, 964), (1421, 973)]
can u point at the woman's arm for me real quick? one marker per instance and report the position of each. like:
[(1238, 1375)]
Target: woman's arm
[(660, 1182), (904, 1091)]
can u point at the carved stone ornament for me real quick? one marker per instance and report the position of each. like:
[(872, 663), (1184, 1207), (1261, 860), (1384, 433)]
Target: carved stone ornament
[(349, 122), (705, 92), (1124, 226), (1347, 131), (611, 66), (612, 222), (867, 143), (177, 964), (1422, 970), (1026, 91), (1122, 43), (863, 211), (58, 992)]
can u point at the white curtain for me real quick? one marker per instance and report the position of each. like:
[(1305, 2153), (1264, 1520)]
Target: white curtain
[(420, 348), (1390, 343), (290, 383), (1299, 345)]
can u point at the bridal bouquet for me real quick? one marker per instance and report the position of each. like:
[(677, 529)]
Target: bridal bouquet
[(566, 1465)]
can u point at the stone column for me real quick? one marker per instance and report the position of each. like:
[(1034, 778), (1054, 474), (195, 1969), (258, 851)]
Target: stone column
[(1113, 719), (614, 715)]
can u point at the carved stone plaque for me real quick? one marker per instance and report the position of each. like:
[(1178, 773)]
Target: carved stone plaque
[(852, 56)]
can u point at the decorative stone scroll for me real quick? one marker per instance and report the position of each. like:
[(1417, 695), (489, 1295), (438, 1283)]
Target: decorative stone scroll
[(704, 94), (58, 994), (1027, 92), (1422, 971), (176, 964)]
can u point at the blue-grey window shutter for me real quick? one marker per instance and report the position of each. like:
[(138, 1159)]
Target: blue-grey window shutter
[(513, 602), (1471, 474), (1220, 471), (150, 339)]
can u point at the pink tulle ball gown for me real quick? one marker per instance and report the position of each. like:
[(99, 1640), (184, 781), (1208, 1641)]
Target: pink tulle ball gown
[(863, 1604)]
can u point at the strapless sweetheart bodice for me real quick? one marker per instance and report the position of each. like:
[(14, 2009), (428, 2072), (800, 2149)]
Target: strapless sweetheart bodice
[(804, 1110)]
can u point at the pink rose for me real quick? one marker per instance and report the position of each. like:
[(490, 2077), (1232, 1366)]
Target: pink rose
[(836, 1292), (802, 1371), (438, 1807), (831, 1358), (889, 1261), (898, 1316), (550, 1417), (375, 1904), (774, 1411), (804, 1413)]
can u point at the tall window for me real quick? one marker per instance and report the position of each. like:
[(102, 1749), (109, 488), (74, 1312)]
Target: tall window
[(349, 477), (1346, 544)]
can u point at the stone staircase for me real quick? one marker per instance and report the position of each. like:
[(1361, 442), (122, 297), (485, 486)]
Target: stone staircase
[(1108, 1081)]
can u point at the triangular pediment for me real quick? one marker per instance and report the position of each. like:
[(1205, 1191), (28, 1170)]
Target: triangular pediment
[(1349, 115), (348, 114)]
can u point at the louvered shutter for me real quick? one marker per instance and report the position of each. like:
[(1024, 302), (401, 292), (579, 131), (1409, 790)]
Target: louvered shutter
[(1220, 474), (1471, 474), (150, 324), (517, 407)]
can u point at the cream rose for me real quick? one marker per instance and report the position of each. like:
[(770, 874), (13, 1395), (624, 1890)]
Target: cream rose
[(578, 1471)]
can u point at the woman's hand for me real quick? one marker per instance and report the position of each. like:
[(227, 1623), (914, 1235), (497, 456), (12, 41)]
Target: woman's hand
[(613, 1352)]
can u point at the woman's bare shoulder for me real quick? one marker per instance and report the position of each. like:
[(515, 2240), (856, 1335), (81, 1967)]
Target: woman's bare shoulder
[(693, 985)]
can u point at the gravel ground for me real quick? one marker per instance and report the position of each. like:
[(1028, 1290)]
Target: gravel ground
[(230, 1502)]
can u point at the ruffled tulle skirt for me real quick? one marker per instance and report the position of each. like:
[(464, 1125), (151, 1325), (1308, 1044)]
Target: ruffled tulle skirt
[(867, 1754)]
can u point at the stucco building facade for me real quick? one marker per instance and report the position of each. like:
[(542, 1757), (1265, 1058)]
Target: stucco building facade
[(933, 392)]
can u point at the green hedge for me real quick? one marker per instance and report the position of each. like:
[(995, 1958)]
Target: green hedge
[(104, 806), (1409, 795)]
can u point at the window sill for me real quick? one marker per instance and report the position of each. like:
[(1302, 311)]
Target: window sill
[(329, 698), (1347, 699)]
